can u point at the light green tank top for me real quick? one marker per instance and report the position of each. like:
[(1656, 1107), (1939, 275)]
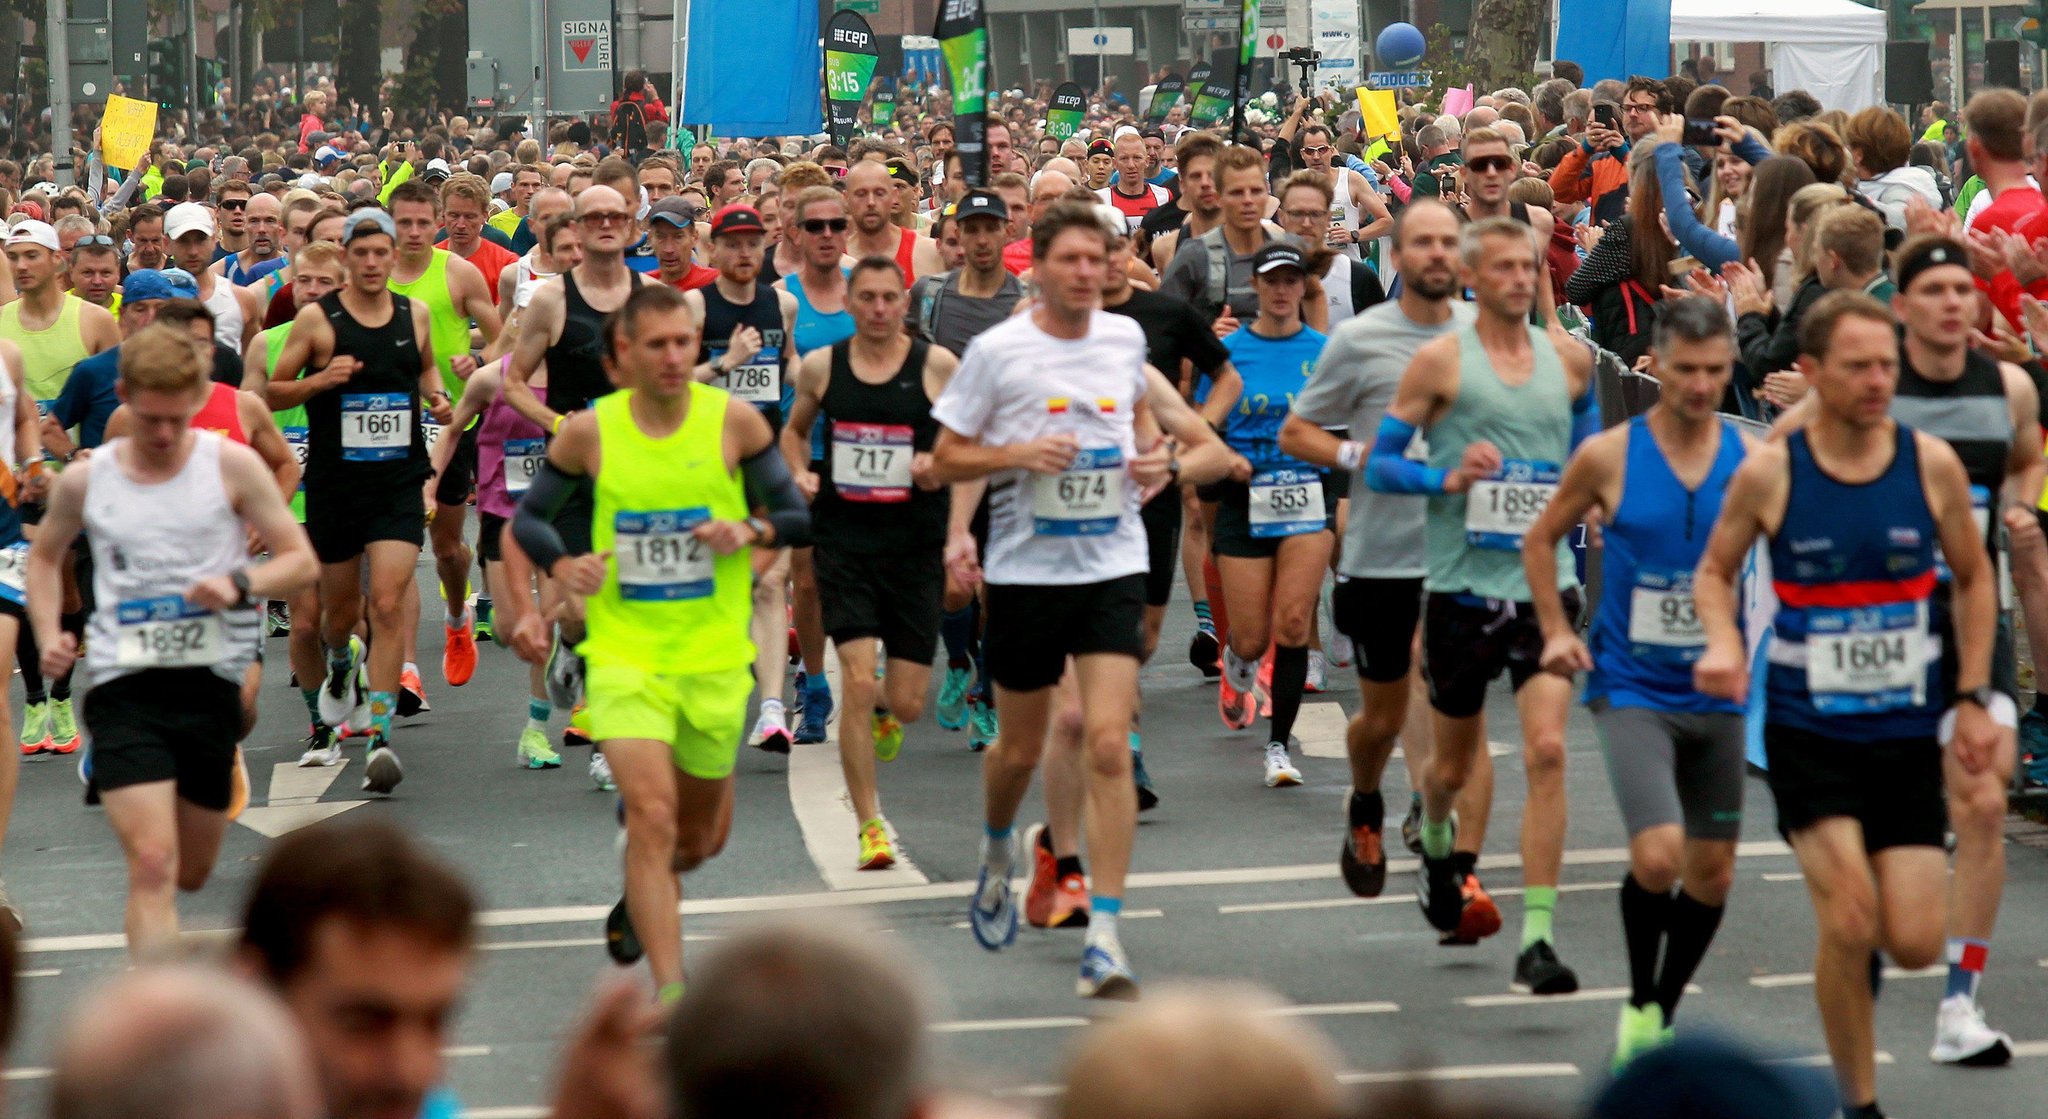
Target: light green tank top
[(448, 328), (46, 355), (291, 421), (1474, 539)]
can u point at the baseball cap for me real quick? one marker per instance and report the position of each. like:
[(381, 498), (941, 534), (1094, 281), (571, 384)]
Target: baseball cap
[(1101, 147), (45, 188), (30, 207), (318, 138), (981, 204), (188, 217), (1278, 254), (182, 282), (436, 169), (150, 283), (736, 218), (367, 216), (33, 232), (501, 182), (326, 154), (675, 211)]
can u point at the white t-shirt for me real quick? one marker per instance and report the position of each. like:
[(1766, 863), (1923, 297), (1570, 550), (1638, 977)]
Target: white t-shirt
[(1017, 383)]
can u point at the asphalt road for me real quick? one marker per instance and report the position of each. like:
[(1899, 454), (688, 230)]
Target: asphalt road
[(1231, 880)]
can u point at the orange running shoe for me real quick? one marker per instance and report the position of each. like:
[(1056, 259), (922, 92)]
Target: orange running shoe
[(1039, 897), (1480, 917), (238, 788), (1070, 904), (458, 652)]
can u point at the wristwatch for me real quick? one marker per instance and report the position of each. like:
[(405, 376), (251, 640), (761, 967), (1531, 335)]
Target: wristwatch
[(762, 530), (240, 578), (1982, 697)]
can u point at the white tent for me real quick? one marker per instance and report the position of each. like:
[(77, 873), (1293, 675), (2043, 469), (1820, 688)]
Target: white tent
[(1833, 49)]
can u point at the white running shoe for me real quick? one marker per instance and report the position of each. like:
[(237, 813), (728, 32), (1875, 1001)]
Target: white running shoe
[(1962, 1038), (564, 674), (1318, 672), (1280, 771), (1340, 649), (601, 774), (341, 692), (771, 733), (381, 772)]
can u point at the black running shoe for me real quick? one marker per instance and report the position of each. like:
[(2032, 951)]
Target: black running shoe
[(1437, 892), (1538, 971), (1205, 653), (1364, 861), (620, 941)]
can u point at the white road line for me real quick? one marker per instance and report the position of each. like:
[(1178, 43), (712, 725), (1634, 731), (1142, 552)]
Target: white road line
[(932, 891), (1320, 727), (1805, 978), (506, 1113), (292, 784), (996, 1025), (1068, 1022), (455, 1051), (1398, 898), (1821, 1060), (39, 973), (1534, 1071), (1128, 915), (30, 1073), (573, 942), (294, 800), (1335, 1009), (2029, 1049), (1784, 876), (817, 794), (1590, 994)]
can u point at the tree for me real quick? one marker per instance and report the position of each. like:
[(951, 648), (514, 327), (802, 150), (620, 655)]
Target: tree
[(1504, 39)]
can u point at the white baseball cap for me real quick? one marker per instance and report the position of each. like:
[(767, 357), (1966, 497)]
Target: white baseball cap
[(188, 217), (33, 232)]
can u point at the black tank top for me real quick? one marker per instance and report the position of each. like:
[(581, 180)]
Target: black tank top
[(763, 380), (576, 373), (1971, 413), (866, 502), (367, 432)]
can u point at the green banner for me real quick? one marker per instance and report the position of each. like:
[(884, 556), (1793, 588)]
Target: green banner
[(1212, 97), (1063, 115), (884, 113), (850, 57), (1164, 95), (962, 33)]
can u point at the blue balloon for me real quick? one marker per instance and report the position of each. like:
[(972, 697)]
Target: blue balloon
[(1399, 46)]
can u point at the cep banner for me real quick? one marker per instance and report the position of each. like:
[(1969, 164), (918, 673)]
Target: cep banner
[(962, 33), (850, 56), (1241, 77), (1063, 118), (885, 104), (1212, 97), (1164, 95)]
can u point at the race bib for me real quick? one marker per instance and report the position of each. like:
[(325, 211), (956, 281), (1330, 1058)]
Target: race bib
[(1500, 509), (14, 573), (1286, 503), (1663, 623), (295, 438), (759, 381), (167, 632), (871, 462), (430, 429), (522, 463), (375, 426), (657, 558), (1085, 499), (1861, 660)]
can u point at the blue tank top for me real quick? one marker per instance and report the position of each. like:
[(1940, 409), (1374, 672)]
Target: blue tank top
[(1274, 371), (1853, 654), (1645, 635), (815, 330)]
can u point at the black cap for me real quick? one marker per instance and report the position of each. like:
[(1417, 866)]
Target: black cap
[(1278, 254), (981, 204), (1101, 146), (673, 210)]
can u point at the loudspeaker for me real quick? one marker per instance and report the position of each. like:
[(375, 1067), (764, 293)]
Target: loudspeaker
[(2002, 63), (1908, 75)]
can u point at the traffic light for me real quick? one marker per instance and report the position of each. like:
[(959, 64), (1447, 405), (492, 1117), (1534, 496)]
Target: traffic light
[(166, 72)]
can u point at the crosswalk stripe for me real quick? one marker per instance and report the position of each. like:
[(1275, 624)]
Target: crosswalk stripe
[(1590, 994)]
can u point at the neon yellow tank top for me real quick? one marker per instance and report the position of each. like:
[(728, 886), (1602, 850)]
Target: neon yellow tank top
[(46, 355), (448, 329), (292, 420), (669, 605)]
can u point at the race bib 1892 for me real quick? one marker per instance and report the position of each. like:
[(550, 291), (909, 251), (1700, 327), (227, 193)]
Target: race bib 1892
[(1663, 624), (1085, 499), (1286, 503), (1861, 660), (375, 426), (14, 573), (167, 632), (658, 560), (1500, 509), (871, 462), (522, 463)]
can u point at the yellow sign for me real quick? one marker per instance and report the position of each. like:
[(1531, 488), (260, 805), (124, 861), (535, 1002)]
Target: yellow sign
[(126, 130), (1382, 119)]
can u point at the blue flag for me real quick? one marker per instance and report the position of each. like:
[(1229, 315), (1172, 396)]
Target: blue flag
[(752, 68), (1615, 38)]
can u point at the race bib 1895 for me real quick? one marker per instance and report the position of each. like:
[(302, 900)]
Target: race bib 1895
[(1861, 660), (167, 632), (522, 463), (871, 462), (1085, 499), (1286, 503), (375, 426), (657, 558), (1663, 624), (14, 573), (1500, 509)]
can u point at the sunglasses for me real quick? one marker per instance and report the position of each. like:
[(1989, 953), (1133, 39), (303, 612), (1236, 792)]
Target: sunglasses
[(606, 219), (836, 172), (1486, 163), (99, 239), (815, 226), (1316, 149)]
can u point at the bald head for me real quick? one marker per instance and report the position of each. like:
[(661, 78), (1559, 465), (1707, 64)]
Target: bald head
[(598, 197), (182, 1043), (1064, 166), (867, 173), (1211, 1052)]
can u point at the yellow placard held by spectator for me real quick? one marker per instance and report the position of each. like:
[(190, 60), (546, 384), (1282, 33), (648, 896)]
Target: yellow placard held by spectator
[(126, 130), (1382, 119)]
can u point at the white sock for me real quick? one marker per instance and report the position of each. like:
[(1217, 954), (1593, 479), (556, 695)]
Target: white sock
[(456, 618), (1243, 674), (771, 708), (1102, 930), (996, 853), (540, 725)]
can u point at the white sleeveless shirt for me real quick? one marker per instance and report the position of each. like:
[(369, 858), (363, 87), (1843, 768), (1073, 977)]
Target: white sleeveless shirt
[(227, 314)]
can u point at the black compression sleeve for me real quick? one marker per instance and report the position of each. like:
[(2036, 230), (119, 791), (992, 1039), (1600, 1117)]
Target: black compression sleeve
[(533, 522), (769, 484)]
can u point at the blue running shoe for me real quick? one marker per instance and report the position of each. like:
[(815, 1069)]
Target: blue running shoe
[(1148, 797), (982, 725), (2034, 746), (1106, 973), (815, 713), (992, 913), (952, 707)]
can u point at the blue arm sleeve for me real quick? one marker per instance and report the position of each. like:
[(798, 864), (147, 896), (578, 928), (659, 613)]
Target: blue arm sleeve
[(1389, 469), (1751, 150), (1711, 249), (1585, 417)]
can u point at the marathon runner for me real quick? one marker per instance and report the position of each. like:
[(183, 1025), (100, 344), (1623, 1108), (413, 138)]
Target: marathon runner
[(262, 258), (1500, 404), (1048, 405), (178, 620), (1858, 715), (871, 204), (1674, 756), (878, 526), (365, 459), (237, 312), (667, 583)]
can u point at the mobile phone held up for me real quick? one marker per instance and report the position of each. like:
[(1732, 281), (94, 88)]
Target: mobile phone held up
[(1700, 134)]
